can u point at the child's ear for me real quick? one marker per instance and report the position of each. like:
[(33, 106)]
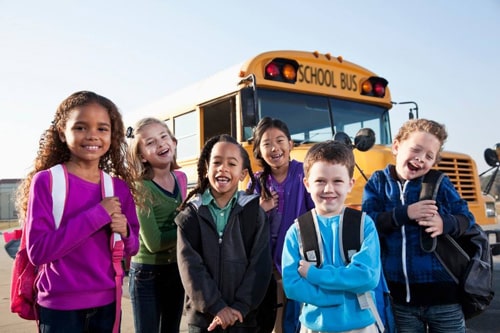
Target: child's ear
[(306, 184), (244, 173), (62, 137), (395, 147), (351, 184)]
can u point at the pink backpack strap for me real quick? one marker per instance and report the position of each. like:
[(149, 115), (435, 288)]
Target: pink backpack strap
[(117, 250), (182, 179)]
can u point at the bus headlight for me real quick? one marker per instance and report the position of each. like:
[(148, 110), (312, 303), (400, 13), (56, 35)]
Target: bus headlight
[(490, 209)]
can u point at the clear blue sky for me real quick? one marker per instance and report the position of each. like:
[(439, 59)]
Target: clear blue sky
[(444, 55)]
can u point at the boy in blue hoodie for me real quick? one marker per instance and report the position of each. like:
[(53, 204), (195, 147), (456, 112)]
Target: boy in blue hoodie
[(425, 296), (334, 295)]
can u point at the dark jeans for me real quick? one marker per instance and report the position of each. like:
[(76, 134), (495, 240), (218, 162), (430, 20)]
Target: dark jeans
[(435, 318), (291, 313), (92, 320), (157, 297)]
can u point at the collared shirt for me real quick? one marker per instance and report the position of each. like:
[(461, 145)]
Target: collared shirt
[(220, 215)]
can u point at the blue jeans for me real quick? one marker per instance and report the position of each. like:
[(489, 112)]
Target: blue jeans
[(92, 320), (157, 297), (447, 318), (291, 313)]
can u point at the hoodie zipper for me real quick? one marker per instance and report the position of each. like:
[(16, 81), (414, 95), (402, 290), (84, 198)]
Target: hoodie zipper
[(402, 190)]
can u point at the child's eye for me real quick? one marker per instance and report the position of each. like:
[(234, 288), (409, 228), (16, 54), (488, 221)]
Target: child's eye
[(103, 129)]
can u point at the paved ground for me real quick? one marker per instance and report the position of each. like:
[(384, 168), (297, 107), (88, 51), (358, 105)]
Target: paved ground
[(487, 322)]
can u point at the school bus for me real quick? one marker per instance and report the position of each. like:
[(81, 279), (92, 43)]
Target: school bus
[(317, 95)]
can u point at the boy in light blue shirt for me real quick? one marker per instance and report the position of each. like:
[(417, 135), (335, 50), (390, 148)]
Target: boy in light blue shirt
[(334, 294)]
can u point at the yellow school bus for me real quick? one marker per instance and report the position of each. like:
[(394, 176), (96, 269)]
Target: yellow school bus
[(316, 95)]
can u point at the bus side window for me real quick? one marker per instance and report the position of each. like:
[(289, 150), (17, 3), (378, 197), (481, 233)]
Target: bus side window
[(186, 132), (219, 118)]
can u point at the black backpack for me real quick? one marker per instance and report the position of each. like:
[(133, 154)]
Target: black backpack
[(351, 235), (467, 259)]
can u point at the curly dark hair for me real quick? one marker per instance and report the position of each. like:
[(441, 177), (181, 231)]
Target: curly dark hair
[(203, 161), (52, 150)]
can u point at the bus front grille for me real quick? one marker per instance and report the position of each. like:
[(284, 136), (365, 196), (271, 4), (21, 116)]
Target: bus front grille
[(461, 173)]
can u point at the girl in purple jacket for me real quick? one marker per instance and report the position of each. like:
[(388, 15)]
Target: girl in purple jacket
[(76, 284), (284, 198)]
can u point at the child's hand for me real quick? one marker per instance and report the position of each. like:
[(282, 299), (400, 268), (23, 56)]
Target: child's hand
[(432, 225), (303, 268), (119, 224), (422, 210), (225, 318), (111, 205), (270, 203)]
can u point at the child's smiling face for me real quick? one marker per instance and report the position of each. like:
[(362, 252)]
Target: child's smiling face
[(225, 169), (275, 148), (416, 155)]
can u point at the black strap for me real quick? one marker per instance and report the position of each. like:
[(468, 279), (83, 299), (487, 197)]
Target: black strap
[(309, 238), (428, 191), (430, 184), (447, 250), (350, 233)]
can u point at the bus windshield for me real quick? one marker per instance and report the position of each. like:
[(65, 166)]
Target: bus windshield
[(312, 118)]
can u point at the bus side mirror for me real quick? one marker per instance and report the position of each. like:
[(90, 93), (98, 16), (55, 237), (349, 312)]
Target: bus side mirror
[(491, 158), (365, 139), (248, 107), (344, 138)]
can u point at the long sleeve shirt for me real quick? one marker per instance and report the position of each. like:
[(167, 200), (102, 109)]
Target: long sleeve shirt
[(75, 259), (158, 233)]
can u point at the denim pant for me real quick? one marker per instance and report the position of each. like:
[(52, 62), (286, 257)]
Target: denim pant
[(157, 297), (291, 313), (447, 318), (92, 320)]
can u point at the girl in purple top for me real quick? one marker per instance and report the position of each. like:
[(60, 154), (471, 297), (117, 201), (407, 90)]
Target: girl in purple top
[(76, 287), (284, 198)]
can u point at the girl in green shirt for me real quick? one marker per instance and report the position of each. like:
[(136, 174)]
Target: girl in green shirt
[(155, 287)]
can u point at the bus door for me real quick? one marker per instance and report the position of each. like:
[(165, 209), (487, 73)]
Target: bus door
[(219, 118)]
